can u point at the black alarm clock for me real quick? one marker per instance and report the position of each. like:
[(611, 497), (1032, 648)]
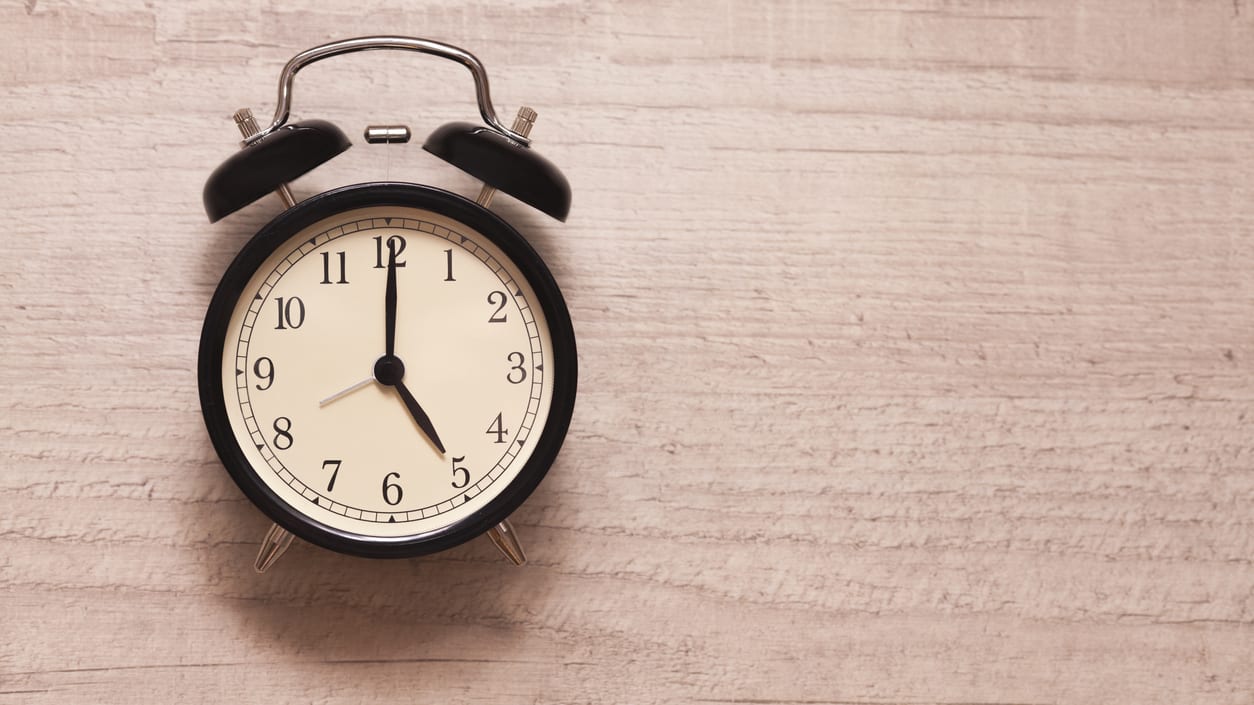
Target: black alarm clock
[(387, 369)]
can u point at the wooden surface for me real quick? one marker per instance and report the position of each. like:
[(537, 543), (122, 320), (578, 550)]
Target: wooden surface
[(916, 344)]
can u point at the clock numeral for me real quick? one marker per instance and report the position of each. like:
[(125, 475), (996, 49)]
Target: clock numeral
[(449, 255), (464, 475), (498, 427), (326, 268), (291, 313), (282, 433), (267, 374), (498, 316), (396, 245), (392, 498), (522, 371), (336, 463)]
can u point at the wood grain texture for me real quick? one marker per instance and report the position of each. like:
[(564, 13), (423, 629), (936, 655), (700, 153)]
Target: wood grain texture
[(916, 343)]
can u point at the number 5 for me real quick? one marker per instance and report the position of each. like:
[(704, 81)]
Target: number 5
[(465, 474)]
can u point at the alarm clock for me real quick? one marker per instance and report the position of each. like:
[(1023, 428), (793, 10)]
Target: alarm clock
[(387, 369)]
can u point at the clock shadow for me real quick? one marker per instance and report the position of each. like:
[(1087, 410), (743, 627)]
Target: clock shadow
[(467, 604), (542, 232)]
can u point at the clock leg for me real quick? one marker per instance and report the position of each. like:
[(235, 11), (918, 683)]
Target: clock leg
[(277, 541), (506, 539)]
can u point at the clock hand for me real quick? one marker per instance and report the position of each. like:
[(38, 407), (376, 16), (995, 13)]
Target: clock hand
[(347, 390), (389, 369), (389, 306), (420, 416)]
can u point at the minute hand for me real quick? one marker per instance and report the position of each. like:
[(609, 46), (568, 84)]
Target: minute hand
[(420, 416), (389, 306)]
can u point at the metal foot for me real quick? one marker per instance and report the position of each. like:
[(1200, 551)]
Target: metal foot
[(277, 541), (506, 539)]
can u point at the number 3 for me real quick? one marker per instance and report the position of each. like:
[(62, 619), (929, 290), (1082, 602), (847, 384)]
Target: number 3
[(522, 372)]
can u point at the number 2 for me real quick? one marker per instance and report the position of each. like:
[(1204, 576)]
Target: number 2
[(497, 316)]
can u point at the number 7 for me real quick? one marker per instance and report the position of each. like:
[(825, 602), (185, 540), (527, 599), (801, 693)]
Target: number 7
[(336, 463)]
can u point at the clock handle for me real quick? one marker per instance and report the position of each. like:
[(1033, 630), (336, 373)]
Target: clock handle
[(506, 539), (349, 46)]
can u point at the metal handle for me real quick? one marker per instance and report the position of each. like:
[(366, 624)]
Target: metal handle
[(348, 46)]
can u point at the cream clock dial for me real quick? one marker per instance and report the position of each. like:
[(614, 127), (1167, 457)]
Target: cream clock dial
[(389, 377)]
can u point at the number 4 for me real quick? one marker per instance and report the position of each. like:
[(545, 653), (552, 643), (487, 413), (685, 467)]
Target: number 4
[(498, 427)]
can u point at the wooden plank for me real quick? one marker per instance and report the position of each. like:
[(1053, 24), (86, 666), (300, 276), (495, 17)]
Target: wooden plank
[(915, 345)]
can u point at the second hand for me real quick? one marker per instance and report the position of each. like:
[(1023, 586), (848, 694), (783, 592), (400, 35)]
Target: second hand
[(345, 392)]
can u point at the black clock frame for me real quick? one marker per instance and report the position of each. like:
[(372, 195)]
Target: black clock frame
[(279, 231)]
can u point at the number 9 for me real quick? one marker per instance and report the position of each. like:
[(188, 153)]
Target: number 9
[(268, 375)]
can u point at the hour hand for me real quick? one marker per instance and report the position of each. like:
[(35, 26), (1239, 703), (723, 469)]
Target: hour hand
[(420, 416)]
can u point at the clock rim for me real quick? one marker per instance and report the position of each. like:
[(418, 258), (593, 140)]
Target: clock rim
[(384, 193)]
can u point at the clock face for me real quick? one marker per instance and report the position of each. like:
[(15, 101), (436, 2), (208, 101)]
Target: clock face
[(312, 409)]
